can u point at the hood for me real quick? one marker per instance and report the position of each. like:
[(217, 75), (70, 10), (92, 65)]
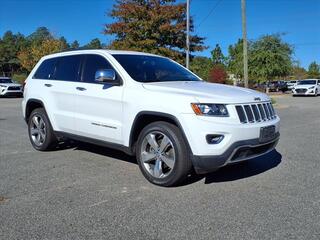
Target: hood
[(304, 86), (208, 92)]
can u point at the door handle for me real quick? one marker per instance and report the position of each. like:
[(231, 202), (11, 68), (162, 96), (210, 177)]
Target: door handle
[(48, 85), (81, 88)]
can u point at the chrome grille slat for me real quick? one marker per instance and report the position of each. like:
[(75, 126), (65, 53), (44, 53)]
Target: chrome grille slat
[(255, 112)]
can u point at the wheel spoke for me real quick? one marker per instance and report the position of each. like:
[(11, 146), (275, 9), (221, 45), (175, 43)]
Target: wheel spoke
[(151, 138), (157, 170), (165, 142), (38, 138), (35, 121), (34, 131), (147, 156), (167, 160), (41, 124), (42, 134)]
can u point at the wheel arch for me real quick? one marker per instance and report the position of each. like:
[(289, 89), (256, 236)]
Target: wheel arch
[(144, 118), (31, 105)]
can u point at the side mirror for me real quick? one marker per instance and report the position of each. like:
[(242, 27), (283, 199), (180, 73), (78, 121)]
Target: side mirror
[(105, 76)]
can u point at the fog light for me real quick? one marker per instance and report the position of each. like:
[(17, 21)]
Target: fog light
[(214, 138)]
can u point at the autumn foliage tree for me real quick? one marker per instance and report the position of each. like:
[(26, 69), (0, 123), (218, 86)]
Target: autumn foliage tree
[(218, 74), (154, 26)]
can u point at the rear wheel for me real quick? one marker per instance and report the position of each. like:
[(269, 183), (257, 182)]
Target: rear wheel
[(162, 154), (40, 131)]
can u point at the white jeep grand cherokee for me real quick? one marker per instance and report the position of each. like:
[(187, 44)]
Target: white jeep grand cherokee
[(148, 106)]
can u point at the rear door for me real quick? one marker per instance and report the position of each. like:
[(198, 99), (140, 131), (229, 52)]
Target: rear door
[(98, 105), (62, 89)]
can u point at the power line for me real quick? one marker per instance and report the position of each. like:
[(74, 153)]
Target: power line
[(210, 12)]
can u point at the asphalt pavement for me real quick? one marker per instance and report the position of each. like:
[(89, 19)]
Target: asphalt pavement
[(87, 192)]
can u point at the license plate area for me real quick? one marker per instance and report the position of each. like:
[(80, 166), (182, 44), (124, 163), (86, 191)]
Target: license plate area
[(267, 133)]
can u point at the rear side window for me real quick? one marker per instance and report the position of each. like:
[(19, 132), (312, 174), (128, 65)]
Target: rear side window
[(68, 68), (46, 69), (92, 64)]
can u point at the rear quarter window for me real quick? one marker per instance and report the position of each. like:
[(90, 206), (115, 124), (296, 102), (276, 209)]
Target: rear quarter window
[(46, 69)]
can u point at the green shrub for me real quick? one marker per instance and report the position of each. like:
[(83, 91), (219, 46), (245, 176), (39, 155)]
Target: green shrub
[(19, 77)]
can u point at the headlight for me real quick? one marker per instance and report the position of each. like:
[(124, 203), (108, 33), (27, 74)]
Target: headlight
[(208, 109), (311, 87), (3, 86)]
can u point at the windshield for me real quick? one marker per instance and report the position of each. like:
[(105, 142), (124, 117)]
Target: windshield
[(5, 80), (309, 82), (144, 68)]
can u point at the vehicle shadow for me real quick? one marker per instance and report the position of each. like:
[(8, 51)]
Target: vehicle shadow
[(107, 152), (229, 173), (245, 169)]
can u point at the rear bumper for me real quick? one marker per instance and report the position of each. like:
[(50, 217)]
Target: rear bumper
[(237, 152)]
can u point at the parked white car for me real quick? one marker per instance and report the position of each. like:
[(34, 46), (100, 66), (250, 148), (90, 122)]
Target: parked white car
[(307, 87), (148, 106), (9, 88), (291, 84)]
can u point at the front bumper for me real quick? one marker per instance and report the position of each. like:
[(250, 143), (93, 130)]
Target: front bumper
[(306, 93), (237, 152), (11, 93), (240, 140)]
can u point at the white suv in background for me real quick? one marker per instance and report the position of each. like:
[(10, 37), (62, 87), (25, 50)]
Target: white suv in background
[(9, 88), (307, 87), (148, 106)]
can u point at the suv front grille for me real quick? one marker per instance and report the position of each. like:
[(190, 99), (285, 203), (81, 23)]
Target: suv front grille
[(250, 113), (13, 88)]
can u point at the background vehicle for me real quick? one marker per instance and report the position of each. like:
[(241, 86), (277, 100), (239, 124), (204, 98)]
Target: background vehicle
[(148, 106), (291, 84), (276, 86), (307, 87), (9, 88)]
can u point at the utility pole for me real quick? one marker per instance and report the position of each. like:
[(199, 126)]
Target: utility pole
[(187, 38), (245, 43)]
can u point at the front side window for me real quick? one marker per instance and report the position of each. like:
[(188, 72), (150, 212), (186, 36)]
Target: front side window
[(93, 63), (46, 69), (68, 68), (143, 68)]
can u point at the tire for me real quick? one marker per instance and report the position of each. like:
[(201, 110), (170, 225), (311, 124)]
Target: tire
[(316, 93), (40, 131), (164, 166)]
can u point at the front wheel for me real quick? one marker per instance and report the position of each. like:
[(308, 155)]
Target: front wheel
[(162, 154)]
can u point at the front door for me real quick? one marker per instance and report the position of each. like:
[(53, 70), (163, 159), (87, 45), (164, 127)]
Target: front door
[(98, 106)]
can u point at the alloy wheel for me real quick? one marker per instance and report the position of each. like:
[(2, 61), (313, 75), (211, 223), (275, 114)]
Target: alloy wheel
[(157, 154), (38, 130)]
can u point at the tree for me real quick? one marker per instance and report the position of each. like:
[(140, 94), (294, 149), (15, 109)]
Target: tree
[(30, 56), (201, 66), (298, 72), (314, 70), (270, 57), (10, 45), (217, 55), (155, 26), (41, 34), (63, 44), (218, 74), (235, 60), (94, 44), (75, 45)]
